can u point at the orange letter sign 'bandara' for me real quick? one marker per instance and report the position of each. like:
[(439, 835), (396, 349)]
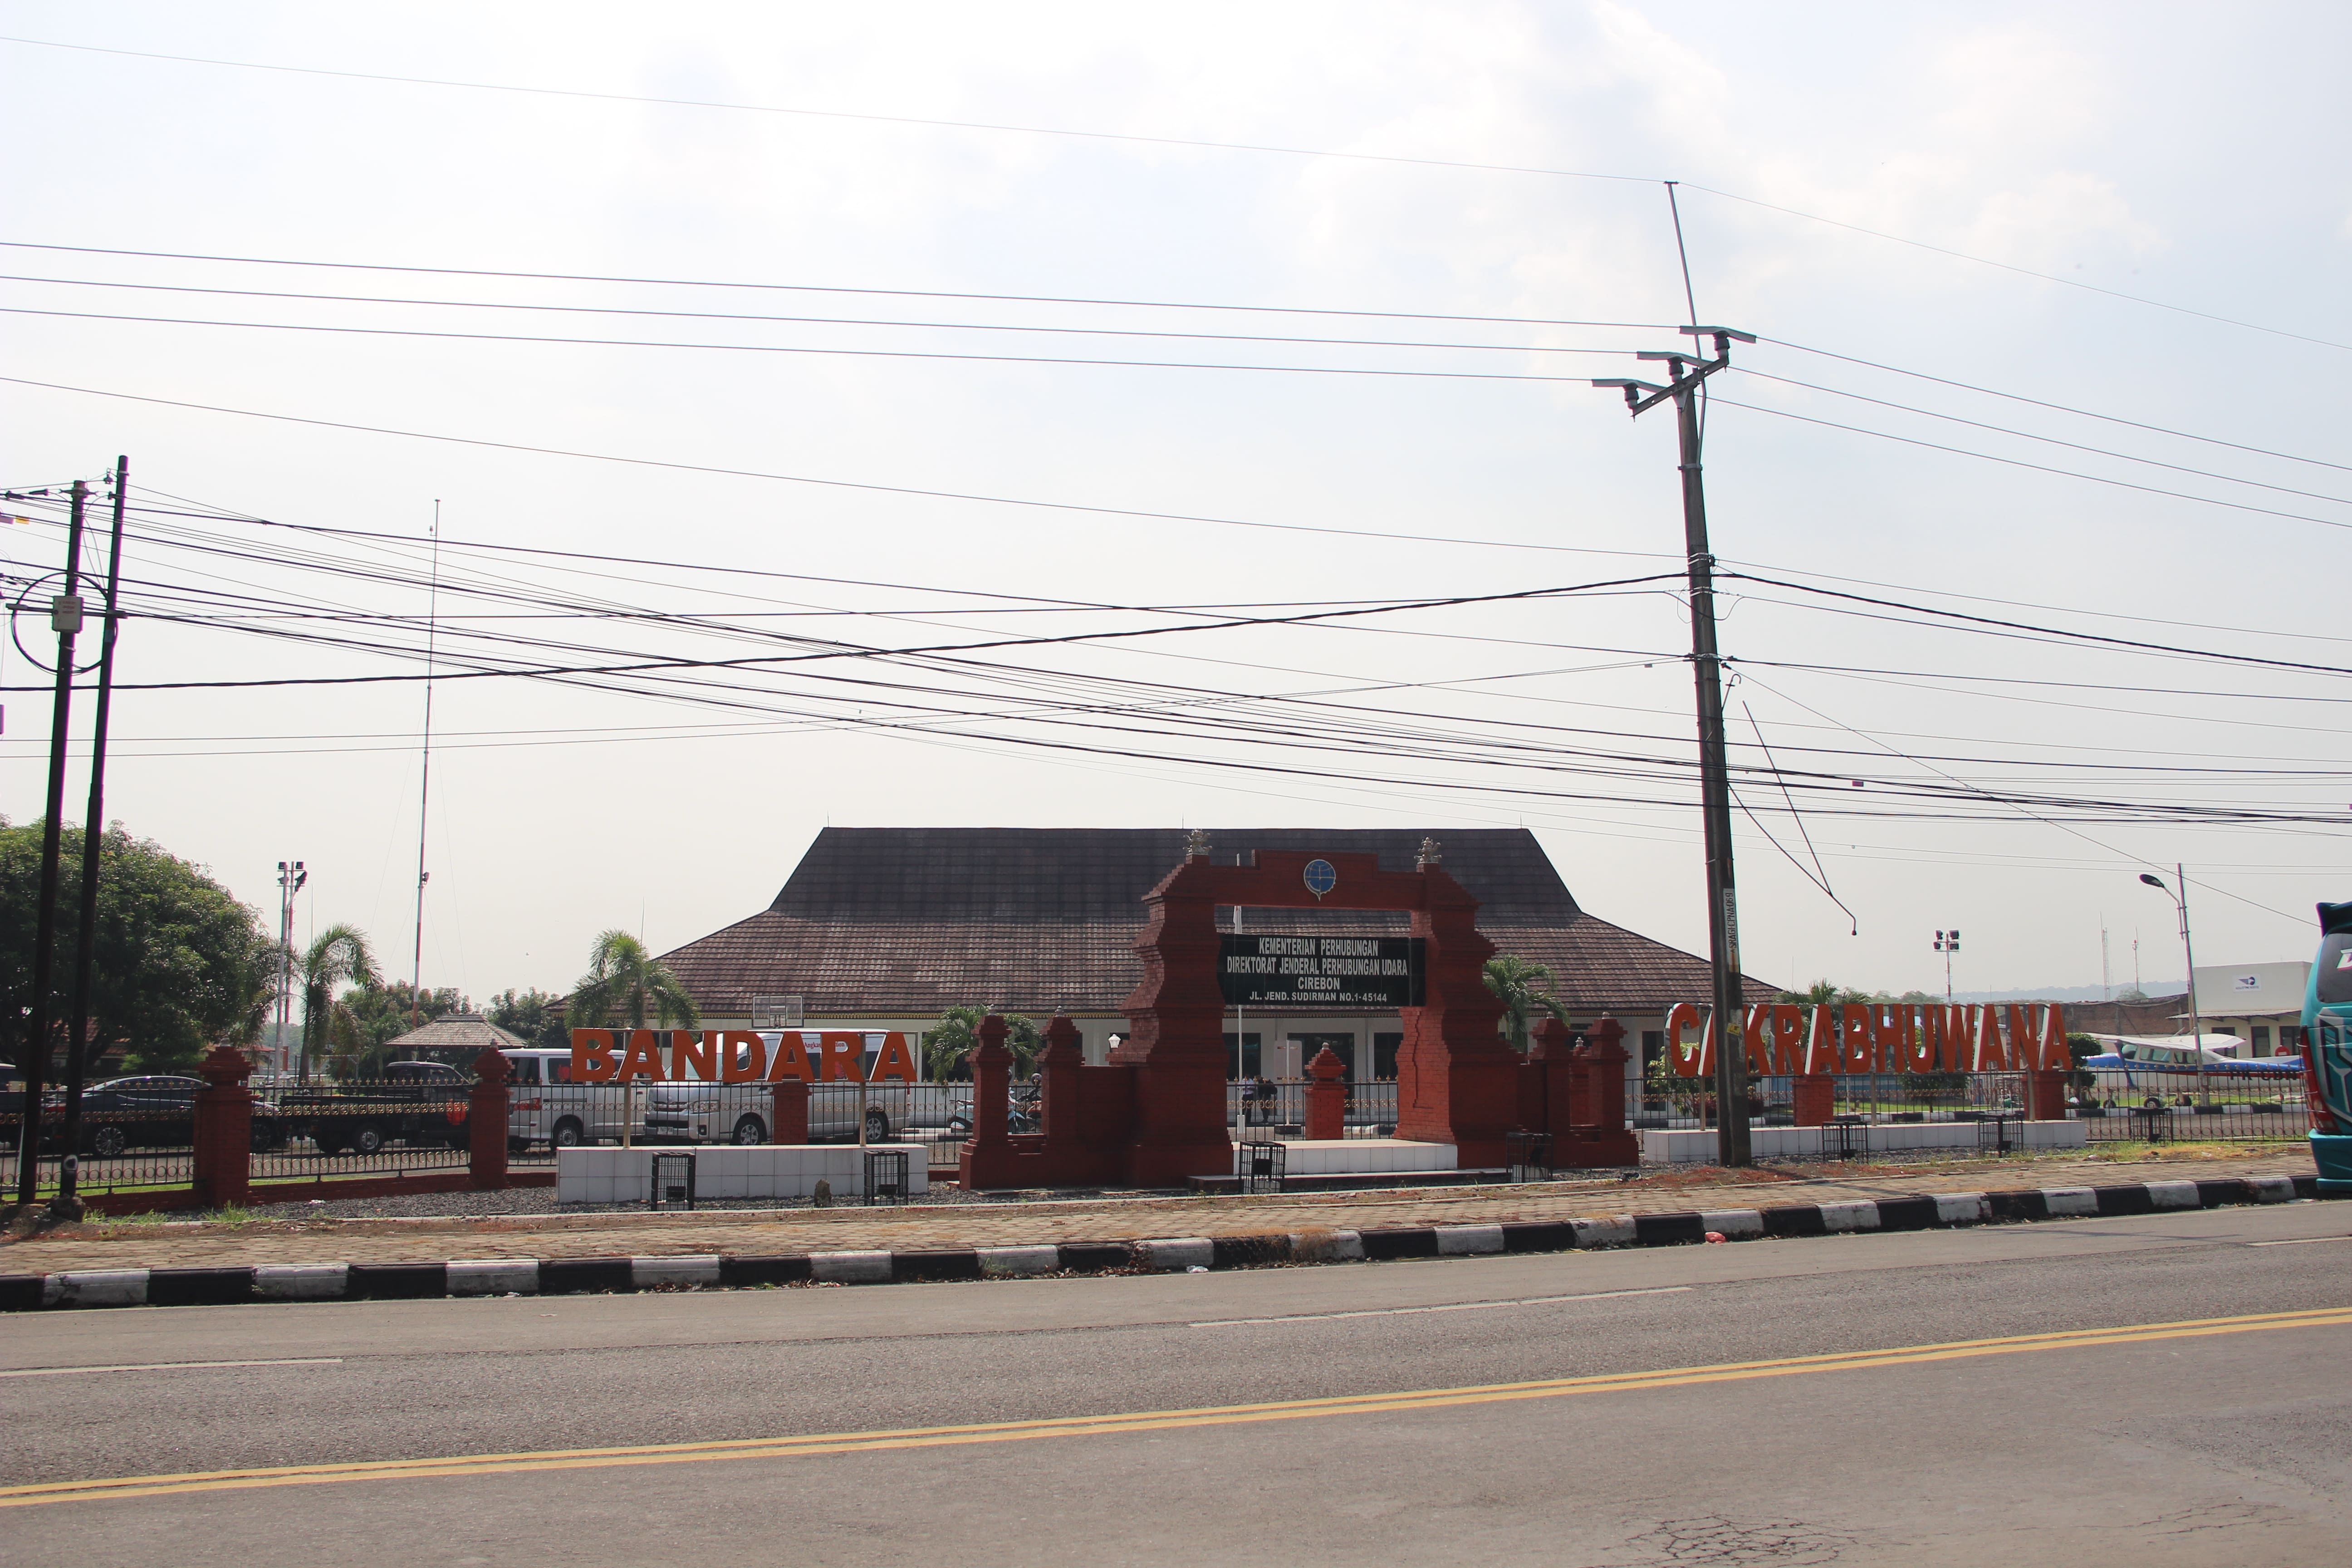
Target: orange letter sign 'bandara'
[(592, 1056)]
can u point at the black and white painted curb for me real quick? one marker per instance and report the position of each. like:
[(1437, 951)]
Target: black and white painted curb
[(571, 1276)]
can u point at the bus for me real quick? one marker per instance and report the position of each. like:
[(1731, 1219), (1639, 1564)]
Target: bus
[(2327, 1050)]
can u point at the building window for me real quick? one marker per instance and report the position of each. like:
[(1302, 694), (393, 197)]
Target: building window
[(1384, 1055), (1341, 1045), (2262, 1039), (1246, 1046)]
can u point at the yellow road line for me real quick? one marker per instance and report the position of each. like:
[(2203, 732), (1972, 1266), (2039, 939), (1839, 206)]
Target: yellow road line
[(1150, 1420)]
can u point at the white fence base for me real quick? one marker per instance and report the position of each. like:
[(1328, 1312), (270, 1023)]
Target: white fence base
[(1360, 1156), (605, 1175)]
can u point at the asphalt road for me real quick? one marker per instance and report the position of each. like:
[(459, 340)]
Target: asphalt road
[(1651, 1437)]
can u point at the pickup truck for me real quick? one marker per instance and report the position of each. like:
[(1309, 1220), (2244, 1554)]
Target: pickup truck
[(421, 1104)]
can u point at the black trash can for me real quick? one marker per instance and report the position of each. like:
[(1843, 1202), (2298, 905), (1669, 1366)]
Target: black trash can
[(1260, 1166)]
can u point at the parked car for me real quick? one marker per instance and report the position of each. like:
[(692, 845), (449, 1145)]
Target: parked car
[(544, 1106), (157, 1112)]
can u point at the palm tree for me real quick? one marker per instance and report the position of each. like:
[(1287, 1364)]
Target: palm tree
[(338, 957), (1519, 985), (947, 1048), (623, 981)]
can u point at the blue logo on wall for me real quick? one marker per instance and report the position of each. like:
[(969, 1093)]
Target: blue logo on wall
[(1320, 878)]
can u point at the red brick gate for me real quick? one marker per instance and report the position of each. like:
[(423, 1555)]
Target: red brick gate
[(1156, 1115)]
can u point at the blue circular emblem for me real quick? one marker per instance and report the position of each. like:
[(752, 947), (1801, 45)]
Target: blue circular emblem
[(1320, 878)]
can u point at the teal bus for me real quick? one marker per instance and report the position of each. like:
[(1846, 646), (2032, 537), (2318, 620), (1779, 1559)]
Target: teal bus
[(2327, 1050)]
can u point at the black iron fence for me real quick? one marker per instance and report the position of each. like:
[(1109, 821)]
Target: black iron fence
[(543, 1118), (1275, 1109), (2118, 1104)]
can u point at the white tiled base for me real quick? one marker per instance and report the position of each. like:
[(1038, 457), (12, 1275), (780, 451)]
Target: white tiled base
[(1360, 1156), (726, 1171), (1694, 1146)]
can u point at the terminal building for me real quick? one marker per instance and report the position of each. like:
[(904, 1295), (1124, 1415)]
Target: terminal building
[(886, 928)]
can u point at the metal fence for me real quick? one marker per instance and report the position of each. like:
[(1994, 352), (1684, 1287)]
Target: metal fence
[(2168, 1106), (543, 1118), (1275, 1109), (123, 1151)]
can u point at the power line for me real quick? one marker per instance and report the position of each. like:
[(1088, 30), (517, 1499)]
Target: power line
[(1130, 137), (796, 321), (653, 282), (724, 472), (2037, 468), (1387, 373)]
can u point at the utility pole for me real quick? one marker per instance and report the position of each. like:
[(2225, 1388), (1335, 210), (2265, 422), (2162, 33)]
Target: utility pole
[(1686, 370), (2188, 953), (67, 1205), (1947, 943), (65, 619), (290, 878), (425, 781)]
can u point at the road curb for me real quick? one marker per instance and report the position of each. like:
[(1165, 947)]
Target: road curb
[(575, 1276)]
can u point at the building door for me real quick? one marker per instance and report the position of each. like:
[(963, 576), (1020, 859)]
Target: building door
[(1342, 1046)]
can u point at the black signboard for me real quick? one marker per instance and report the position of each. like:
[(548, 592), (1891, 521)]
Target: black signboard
[(1320, 973)]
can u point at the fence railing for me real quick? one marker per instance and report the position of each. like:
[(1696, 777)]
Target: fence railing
[(1275, 1109), (2117, 1104)]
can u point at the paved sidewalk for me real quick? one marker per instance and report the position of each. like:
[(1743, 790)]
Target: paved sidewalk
[(755, 1233)]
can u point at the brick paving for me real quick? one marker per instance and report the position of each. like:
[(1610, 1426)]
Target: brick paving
[(756, 1233)]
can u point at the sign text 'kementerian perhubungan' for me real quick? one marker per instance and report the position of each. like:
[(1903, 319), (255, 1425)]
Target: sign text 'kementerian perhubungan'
[(1321, 972)]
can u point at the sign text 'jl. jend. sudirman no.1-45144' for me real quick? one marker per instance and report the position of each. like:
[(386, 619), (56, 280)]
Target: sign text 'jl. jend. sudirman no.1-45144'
[(1878, 1037), (735, 1056)]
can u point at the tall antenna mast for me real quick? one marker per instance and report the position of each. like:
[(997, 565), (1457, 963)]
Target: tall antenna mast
[(425, 784)]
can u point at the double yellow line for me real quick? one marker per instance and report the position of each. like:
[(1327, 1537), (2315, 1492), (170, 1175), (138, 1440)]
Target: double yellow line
[(1148, 1420)]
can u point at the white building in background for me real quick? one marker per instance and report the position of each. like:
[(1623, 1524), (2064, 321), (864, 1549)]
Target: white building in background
[(2261, 1004)]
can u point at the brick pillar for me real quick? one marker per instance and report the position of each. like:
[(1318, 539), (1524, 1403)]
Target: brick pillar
[(1603, 1140), (1816, 1095), (1556, 1056), (986, 1158), (1177, 1042), (224, 1130), (788, 1113), (1457, 1079), (2045, 1094), (486, 1122), (1058, 1065), (1327, 1097)]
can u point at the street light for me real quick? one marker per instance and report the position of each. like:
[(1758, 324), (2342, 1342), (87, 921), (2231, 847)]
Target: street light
[(1947, 943), (2188, 953)]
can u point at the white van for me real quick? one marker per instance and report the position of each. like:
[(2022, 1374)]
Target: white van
[(544, 1106)]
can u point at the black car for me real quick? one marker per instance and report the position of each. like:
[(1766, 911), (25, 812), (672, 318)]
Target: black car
[(156, 1112)]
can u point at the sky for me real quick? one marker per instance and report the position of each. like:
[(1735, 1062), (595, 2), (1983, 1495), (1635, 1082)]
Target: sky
[(2085, 266)]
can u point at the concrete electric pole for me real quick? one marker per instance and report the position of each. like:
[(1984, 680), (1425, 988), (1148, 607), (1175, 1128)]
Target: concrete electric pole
[(1686, 370)]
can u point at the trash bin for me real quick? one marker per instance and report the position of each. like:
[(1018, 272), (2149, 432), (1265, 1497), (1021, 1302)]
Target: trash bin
[(1260, 1166), (673, 1182), (886, 1175)]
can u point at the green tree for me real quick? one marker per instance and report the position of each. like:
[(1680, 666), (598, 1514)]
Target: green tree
[(384, 1012), (532, 1015), (948, 1046), (1520, 985), (623, 981), (337, 957), (177, 961)]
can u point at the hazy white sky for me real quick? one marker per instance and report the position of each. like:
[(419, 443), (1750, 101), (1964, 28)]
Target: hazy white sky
[(2185, 154)]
